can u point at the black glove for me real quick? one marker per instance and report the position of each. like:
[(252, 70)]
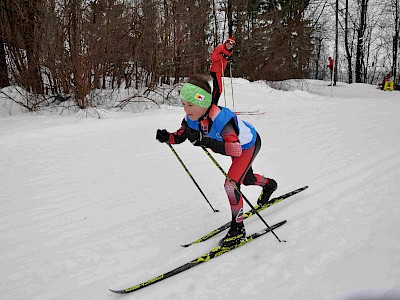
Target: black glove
[(194, 136), (231, 59), (228, 58), (198, 139), (162, 135)]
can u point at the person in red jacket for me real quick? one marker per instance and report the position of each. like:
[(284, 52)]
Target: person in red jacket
[(330, 65), (220, 57)]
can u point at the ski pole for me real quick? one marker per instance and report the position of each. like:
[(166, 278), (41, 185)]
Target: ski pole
[(233, 99), (223, 81), (237, 189), (190, 175)]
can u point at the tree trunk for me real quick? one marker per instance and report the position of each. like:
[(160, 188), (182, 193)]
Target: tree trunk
[(77, 64), (31, 46), (230, 18), (3, 65), (215, 24), (396, 40), (335, 77), (360, 41), (346, 44), (318, 52)]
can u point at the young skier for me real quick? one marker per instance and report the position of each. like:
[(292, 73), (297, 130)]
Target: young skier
[(220, 57), (388, 82), (219, 129)]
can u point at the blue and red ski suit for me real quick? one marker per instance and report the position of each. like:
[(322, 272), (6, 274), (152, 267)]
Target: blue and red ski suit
[(229, 136)]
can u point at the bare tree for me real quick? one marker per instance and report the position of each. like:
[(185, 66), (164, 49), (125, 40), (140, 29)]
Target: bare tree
[(395, 37), (215, 22), (335, 76), (3, 65), (318, 21), (360, 41), (347, 44), (20, 25)]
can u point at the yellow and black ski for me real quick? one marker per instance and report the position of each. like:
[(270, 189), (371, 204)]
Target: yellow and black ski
[(217, 251), (248, 214)]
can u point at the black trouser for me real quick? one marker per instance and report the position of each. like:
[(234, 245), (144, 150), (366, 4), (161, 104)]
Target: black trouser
[(216, 90)]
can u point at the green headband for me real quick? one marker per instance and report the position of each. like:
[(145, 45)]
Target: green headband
[(196, 95)]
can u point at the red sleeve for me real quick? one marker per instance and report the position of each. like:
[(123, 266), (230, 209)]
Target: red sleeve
[(176, 137), (232, 143), (216, 55)]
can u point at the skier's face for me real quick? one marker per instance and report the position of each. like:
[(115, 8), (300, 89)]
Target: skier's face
[(193, 112), (228, 46)]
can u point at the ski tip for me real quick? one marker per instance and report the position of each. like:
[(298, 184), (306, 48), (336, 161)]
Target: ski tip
[(185, 246), (302, 188), (117, 291), (279, 224)]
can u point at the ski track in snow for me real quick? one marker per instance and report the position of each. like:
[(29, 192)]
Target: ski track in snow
[(88, 204)]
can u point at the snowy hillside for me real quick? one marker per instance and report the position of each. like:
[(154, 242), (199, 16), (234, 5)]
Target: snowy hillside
[(89, 204)]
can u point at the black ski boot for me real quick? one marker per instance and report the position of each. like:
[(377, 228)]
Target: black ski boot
[(235, 235), (268, 189)]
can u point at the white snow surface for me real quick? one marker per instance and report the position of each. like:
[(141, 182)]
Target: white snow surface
[(89, 204)]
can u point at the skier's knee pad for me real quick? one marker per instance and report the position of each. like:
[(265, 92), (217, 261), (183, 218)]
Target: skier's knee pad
[(233, 195)]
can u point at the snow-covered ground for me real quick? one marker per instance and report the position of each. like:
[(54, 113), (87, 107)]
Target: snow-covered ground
[(89, 204)]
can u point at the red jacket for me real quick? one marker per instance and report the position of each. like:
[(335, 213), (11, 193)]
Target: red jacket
[(218, 61), (330, 65)]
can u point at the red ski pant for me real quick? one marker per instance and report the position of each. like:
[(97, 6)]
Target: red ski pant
[(242, 172)]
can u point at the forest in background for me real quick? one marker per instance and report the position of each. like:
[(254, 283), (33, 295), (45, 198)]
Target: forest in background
[(66, 49)]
